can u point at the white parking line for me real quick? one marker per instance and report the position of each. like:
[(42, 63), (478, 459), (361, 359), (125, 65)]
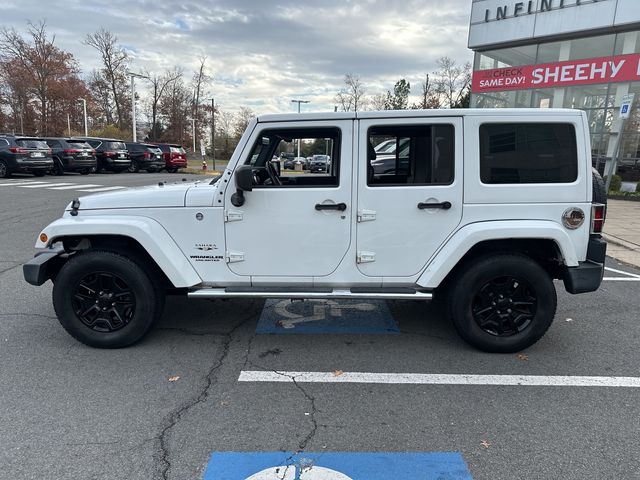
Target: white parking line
[(46, 185), (78, 185), (102, 189), (16, 184), (439, 379), (630, 277)]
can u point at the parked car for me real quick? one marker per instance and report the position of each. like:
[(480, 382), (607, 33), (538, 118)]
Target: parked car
[(20, 154), (145, 156), (174, 155), (111, 154), (320, 163), (71, 156)]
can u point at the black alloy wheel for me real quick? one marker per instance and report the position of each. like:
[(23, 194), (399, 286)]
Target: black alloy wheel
[(501, 302), (133, 167), (104, 302), (504, 306), (4, 171), (105, 299), (58, 169)]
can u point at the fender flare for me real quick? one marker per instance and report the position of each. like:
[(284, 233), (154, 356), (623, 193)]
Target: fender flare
[(461, 242), (157, 242)]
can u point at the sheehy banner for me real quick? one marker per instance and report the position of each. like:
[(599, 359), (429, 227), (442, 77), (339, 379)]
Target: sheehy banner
[(621, 68)]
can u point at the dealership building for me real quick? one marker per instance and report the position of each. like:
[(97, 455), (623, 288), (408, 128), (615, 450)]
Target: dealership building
[(561, 54)]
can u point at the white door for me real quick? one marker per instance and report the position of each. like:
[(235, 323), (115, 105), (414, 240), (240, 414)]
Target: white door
[(410, 196), (296, 225)]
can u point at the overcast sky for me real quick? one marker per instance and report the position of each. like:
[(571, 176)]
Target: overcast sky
[(263, 53)]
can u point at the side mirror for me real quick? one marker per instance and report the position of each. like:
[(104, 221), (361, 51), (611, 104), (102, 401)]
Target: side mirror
[(244, 183)]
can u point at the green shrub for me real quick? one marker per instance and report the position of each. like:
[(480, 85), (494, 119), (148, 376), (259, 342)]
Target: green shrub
[(616, 183)]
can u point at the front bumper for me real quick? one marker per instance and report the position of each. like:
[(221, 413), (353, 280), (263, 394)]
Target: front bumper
[(587, 276), (44, 266)]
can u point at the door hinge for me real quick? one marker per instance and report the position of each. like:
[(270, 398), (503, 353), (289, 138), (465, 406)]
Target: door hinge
[(365, 257), (366, 215), (233, 215), (234, 257)]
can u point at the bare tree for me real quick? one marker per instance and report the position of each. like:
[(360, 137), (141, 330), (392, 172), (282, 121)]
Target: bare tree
[(115, 62), (351, 98), (453, 81), (42, 64), (159, 84), (224, 130), (378, 102), (429, 97), (200, 79), (242, 119)]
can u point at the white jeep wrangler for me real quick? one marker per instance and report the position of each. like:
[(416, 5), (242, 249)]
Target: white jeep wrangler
[(483, 208)]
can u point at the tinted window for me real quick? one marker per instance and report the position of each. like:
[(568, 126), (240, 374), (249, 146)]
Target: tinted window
[(528, 153), (115, 146), (30, 143), (79, 144), (411, 155), (53, 143)]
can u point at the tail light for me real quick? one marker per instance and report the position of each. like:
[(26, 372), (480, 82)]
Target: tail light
[(598, 213), (49, 152), (147, 155), (71, 150), (109, 154), (18, 150)]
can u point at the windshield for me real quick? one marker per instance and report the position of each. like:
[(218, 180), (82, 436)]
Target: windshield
[(32, 143)]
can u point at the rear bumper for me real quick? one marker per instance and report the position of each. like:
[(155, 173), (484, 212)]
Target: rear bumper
[(179, 163), (151, 164), (587, 276), (44, 266), (28, 166)]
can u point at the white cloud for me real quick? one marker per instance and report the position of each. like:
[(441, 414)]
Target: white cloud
[(263, 53)]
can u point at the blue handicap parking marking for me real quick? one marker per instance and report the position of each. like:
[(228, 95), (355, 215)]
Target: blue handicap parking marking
[(326, 316), (336, 466)]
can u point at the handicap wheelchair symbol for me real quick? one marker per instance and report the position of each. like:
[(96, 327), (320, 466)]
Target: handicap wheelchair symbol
[(298, 473), (320, 311)]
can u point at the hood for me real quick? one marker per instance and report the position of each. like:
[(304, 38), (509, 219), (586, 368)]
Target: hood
[(160, 195)]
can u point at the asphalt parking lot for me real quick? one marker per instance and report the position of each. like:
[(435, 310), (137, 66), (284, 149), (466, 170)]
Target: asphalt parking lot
[(234, 376)]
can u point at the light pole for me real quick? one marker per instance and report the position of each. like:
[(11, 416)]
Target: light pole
[(299, 102), (133, 103), (84, 107), (213, 133)]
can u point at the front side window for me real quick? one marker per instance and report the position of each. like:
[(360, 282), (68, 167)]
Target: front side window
[(410, 155), (518, 153), (296, 157)]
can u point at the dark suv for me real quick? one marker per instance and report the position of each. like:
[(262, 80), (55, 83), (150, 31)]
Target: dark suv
[(20, 154), (174, 155), (111, 154), (145, 156), (71, 156)]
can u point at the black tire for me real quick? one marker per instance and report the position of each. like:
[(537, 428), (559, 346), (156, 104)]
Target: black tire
[(599, 188), (133, 167), (4, 170), (39, 173), (86, 171), (58, 168), (172, 170), (107, 324), (514, 321)]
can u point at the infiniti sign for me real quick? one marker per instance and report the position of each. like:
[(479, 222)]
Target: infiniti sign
[(528, 7)]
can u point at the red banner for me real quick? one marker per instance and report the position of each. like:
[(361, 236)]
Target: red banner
[(622, 68)]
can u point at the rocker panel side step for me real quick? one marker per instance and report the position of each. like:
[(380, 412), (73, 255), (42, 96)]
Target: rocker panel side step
[(355, 293)]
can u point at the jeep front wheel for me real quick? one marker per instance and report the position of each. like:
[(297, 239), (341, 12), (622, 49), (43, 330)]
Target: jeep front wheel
[(502, 303), (105, 300)]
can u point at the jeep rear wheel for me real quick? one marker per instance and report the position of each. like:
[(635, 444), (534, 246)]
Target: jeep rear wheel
[(105, 300), (502, 303)]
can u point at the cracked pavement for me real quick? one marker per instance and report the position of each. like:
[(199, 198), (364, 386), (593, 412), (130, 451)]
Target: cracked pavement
[(72, 412)]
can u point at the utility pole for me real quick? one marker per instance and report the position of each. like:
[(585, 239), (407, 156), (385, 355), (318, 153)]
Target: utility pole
[(84, 106), (69, 124), (299, 102), (133, 103), (213, 133)]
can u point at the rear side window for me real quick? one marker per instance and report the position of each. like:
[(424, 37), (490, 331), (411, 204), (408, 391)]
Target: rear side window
[(29, 143), (528, 153), (411, 155)]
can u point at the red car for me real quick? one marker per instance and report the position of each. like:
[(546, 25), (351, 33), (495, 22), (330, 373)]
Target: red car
[(174, 155)]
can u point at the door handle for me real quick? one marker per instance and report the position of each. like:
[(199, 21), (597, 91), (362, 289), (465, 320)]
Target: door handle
[(427, 206), (331, 206)]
